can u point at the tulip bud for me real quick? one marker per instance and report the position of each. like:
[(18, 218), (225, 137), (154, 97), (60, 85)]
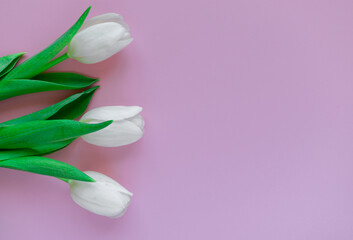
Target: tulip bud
[(99, 38), (104, 197), (127, 126)]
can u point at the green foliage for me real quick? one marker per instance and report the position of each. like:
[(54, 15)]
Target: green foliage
[(8, 62), (44, 132), (46, 166), (43, 82), (70, 108), (34, 65), (25, 139), (34, 151)]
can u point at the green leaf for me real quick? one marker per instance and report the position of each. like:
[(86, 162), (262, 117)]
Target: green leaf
[(74, 109), (44, 132), (8, 154), (66, 78), (50, 148), (46, 82), (70, 108), (33, 65), (8, 62), (35, 151), (46, 166)]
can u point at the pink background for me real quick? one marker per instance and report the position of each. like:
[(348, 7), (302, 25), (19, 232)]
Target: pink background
[(248, 109)]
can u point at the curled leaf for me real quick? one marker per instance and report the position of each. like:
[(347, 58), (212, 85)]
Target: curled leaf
[(8, 62)]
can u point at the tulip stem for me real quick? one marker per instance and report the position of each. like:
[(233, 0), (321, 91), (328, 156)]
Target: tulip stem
[(55, 61)]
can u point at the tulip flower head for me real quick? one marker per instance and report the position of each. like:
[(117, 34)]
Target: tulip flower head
[(99, 38), (104, 197), (127, 126)]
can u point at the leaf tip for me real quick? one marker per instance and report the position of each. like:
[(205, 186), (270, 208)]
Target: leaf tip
[(91, 180), (93, 89), (90, 90), (109, 122), (87, 10), (105, 124), (87, 178)]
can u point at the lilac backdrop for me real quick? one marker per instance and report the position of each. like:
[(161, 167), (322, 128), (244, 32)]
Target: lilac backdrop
[(248, 109)]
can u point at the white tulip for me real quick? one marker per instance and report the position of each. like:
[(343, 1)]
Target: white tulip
[(127, 126), (99, 38), (104, 197)]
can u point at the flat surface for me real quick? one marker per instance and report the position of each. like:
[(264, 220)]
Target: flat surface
[(248, 109)]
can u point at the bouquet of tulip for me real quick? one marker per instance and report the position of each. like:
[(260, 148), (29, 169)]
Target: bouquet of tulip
[(25, 140)]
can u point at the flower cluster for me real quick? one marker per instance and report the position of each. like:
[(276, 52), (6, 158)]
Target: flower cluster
[(26, 139)]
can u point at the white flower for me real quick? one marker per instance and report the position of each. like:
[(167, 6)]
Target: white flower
[(99, 38), (104, 197), (127, 126)]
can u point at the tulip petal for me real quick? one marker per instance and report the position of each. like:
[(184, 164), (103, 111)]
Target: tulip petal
[(103, 197), (119, 133), (124, 42), (107, 17), (115, 113), (138, 121), (100, 177), (98, 42)]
